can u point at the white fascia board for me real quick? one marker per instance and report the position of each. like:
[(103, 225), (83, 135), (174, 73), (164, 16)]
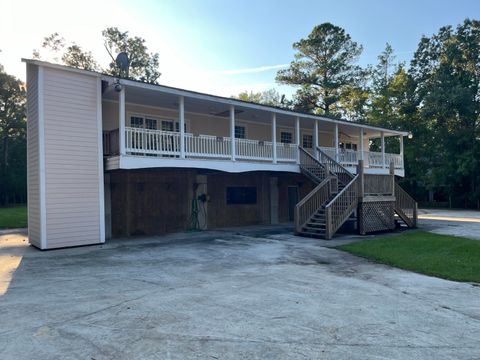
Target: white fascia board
[(140, 162), (61, 67)]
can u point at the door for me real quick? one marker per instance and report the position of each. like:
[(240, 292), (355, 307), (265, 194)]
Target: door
[(292, 201)]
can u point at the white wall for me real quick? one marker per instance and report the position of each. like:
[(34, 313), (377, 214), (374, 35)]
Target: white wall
[(33, 158), (73, 159)]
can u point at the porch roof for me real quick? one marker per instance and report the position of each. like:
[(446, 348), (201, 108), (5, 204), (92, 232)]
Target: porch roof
[(147, 94)]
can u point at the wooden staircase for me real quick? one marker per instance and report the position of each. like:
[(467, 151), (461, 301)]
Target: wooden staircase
[(321, 213), (326, 208), (405, 207)]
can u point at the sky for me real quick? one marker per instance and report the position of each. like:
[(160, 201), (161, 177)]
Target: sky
[(223, 47)]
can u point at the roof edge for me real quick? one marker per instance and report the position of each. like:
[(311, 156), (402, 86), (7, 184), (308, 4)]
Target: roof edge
[(211, 97)]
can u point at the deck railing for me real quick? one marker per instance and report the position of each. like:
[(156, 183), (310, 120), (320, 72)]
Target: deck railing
[(340, 208), (335, 168), (207, 146), (378, 185), (149, 142), (405, 206), (310, 204), (311, 166)]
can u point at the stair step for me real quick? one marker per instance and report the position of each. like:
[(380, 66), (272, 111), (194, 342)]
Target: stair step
[(313, 234), (313, 229), (315, 223)]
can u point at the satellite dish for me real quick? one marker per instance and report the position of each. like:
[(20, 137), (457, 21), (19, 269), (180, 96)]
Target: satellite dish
[(123, 63)]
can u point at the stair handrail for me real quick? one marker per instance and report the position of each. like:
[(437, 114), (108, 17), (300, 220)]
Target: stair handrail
[(340, 207), (406, 204), (305, 155), (308, 206), (335, 167)]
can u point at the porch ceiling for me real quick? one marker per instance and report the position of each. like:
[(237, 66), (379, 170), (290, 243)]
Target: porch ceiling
[(149, 97)]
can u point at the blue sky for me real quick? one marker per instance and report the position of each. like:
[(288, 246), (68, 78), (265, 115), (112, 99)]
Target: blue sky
[(224, 47)]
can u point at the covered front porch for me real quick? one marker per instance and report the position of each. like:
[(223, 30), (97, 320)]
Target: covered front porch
[(156, 126)]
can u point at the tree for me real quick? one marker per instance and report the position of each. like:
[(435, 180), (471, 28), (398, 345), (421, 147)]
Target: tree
[(323, 68), (446, 70), (12, 139), (143, 65), (268, 97), (72, 55)]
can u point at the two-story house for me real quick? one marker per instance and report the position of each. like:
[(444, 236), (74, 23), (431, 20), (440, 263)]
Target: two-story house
[(115, 157)]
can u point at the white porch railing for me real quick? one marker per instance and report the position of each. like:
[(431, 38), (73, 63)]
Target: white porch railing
[(156, 142), (207, 146), (372, 159), (167, 143)]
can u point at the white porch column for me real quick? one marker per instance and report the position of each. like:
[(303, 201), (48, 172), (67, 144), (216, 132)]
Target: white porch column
[(360, 144), (401, 149), (297, 137), (315, 139), (232, 132), (336, 142), (121, 120), (181, 120), (274, 137), (382, 134)]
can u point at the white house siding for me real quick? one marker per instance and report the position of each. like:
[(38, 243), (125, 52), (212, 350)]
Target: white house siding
[(33, 166), (73, 196)]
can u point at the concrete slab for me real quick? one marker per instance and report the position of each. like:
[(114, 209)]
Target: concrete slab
[(465, 223), (227, 295)]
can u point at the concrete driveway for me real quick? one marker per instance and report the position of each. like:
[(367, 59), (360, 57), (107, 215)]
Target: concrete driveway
[(226, 295), (464, 223)]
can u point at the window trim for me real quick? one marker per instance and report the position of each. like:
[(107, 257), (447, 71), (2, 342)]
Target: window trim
[(289, 131), (154, 117), (306, 133), (239, 123)]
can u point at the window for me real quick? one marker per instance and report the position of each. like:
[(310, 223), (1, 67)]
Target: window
[(347, 146), (177, 127), (307, 142), (241, 195), (167, 125), (240, 132), (136, 121), (286, 137), (151, 124)]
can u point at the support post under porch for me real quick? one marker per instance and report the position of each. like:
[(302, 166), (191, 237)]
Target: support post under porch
[(336, 143), (360, 145), (121, 120), (382, 134), (401, 149), (297, 137), (274, 137), (232, 132), (181, 115)]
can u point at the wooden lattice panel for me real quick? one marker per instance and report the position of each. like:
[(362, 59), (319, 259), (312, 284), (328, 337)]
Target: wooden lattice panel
[(376, 216)]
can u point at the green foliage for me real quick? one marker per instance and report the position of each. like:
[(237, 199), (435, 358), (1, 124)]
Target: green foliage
[(71, 55), (322, 68), (12, 140), (13, 217), (446, 71), (268, 97), (448, 257), (143, 65)]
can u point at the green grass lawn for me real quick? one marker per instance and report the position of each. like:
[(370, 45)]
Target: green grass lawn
[(13, 217), (444, 256)]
